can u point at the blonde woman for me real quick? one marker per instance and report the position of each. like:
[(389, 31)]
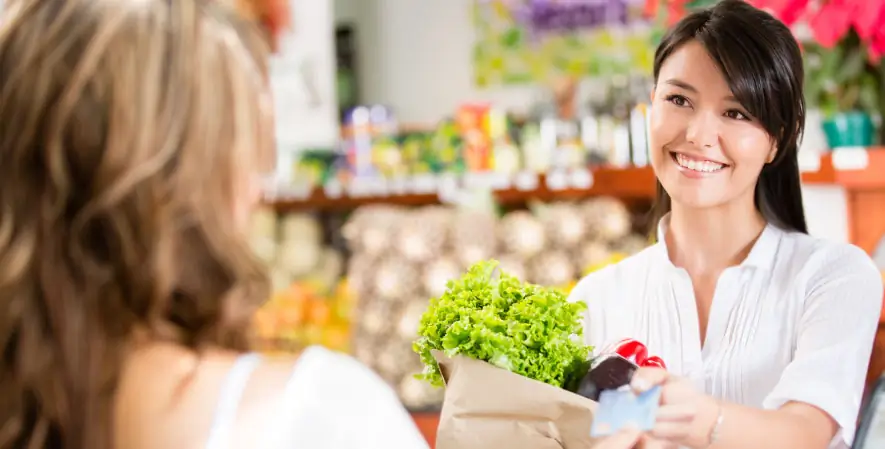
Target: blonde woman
[(131, 136)]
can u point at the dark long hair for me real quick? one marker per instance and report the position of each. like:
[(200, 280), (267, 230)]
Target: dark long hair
[(762, 64)]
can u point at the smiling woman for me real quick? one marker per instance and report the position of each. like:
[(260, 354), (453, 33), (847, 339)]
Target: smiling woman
[(750, 313), (731, 115)]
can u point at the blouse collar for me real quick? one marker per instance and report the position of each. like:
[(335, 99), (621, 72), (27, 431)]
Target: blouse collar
[(762, 254)]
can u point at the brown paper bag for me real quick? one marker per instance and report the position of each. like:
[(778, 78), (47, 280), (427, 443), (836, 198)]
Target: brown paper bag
[(486, 407)]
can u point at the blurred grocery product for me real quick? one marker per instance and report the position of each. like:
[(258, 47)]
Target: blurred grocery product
[(522, 234), (553, 268), (264, 234), (368, 230), (312, 301), (424, 234), (395, 279), (438, 272), (564, 224), (572, 127), (306, 314), (607, 219), (474, 236)]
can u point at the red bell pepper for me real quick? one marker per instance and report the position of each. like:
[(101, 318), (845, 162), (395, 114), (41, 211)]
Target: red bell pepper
[(632, 350), (636, 352), (654, 362)]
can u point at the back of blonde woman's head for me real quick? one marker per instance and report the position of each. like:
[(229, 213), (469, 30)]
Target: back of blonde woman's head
[(128, 131)]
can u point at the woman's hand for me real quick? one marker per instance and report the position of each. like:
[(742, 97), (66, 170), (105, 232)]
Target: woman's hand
[(686, 416), (631, 439), (624, 439)]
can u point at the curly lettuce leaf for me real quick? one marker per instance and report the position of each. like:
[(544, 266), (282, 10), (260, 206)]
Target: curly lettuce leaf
[(491, 316)]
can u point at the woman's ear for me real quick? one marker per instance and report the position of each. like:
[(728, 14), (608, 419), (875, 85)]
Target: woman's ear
[(772, 153)]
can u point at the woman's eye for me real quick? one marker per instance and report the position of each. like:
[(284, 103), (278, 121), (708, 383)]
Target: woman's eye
[(736, 115), (678, 100)]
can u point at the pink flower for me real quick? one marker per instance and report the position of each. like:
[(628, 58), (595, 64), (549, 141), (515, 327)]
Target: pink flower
[(877, 44), (788, 11), (832, 22), (651, 8), (869, 16), (675, 11)]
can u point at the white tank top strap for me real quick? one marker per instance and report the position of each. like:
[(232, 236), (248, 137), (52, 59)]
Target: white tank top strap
[(229, 400)]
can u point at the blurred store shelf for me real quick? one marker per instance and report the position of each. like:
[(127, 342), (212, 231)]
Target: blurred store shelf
[(626, 184), (855, 169), (852, 168)]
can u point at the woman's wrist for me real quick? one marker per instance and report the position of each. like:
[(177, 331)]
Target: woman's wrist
[(715, 429), (707, 424)]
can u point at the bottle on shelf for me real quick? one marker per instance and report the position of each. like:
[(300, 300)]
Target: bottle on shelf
[(592, 94), (640, 92), (620, 106)]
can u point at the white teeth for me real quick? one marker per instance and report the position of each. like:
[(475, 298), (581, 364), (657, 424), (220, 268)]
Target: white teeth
[(696, 165)]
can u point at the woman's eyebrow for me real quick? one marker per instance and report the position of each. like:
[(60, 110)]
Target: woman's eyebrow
[(683, 85)]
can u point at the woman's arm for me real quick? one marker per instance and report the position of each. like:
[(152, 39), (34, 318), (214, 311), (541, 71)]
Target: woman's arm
[(818, 396), (699, 421), (795, 425)]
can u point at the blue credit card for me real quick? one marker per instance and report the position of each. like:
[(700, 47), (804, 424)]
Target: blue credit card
[(622, 408)]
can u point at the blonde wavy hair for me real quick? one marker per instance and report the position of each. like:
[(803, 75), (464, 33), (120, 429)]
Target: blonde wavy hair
[(128, 130)]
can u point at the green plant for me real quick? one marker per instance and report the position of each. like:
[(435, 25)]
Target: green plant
[(842, 78)]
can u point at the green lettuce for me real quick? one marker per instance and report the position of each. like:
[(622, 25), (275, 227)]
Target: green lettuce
[(490, 315)]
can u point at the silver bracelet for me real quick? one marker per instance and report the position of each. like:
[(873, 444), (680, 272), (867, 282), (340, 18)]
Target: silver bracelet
[(714, 432)]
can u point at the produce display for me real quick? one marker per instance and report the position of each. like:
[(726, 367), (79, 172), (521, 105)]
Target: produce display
[(294, 250), (312, 302), (305, 314)]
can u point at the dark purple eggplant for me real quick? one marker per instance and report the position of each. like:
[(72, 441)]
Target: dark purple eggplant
[(610, 373)]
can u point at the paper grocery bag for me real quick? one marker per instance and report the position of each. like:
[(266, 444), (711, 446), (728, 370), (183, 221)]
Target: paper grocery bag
[(486, 407)]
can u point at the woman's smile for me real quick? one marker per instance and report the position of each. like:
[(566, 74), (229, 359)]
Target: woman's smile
[(696, 166)]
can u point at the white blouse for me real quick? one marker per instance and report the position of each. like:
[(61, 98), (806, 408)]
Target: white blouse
[(335, 402), (330, 402), (794, 322)]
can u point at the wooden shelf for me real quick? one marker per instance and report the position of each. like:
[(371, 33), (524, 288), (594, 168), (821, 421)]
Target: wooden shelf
[(857, 171), (862, 174), (635, 183)]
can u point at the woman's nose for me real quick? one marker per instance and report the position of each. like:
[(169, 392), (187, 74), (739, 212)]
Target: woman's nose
[(703, 130)]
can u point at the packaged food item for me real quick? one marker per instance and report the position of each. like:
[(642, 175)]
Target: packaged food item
[(474, 121), (369, 132)]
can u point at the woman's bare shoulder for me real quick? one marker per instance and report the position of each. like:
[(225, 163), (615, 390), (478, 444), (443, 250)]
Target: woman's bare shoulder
[(168, 395)]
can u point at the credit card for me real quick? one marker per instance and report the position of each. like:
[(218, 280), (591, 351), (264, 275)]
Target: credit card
[(622, 408)]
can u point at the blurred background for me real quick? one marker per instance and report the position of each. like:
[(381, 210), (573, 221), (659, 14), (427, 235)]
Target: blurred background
[(418, 136)]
